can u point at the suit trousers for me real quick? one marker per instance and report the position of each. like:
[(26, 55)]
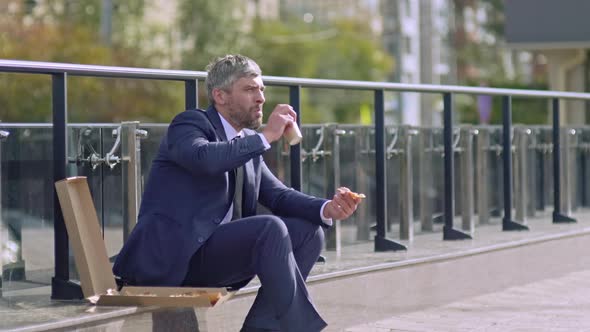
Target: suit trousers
[(281, 252)]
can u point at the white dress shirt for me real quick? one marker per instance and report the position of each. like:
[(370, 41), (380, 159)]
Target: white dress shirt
[(230, 133)]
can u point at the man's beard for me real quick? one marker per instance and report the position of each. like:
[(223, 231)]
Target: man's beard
[(253, 124), (244, 119)]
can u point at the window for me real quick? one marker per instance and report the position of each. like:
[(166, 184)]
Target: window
[(407, 45)]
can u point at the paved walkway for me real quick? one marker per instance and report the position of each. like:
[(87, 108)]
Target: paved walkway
[(552, 305)]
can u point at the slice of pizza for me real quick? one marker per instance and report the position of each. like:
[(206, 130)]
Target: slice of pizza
[(356, 195)]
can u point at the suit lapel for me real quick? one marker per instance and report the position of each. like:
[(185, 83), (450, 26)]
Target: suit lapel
[(216, 122), (249, 194)]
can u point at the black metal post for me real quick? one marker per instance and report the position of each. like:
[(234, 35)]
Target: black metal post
[(191, 96), (382, 243), (558, 217), (61, 286), (1, 265), (295, 152), (541, 178), (584, 179), (449, 233), (507, 223)]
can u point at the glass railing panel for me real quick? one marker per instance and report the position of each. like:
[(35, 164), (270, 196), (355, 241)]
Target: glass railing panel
[(426, 189), (114, 196), (85, 152), (27, 188), (111, 213), (357, 171), (317, 165), (27, 206), (393, 158), (436, 171)]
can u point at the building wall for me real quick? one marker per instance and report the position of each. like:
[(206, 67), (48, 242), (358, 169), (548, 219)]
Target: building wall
[(416, 34), (563, 38)]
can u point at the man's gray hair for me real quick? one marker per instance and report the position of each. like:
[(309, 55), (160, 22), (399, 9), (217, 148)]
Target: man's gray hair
[(224, 71)]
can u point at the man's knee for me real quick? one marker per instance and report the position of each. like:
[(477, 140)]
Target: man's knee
[(319, 237), (273, 240), (275, 227), (306, 234), (313, 232)]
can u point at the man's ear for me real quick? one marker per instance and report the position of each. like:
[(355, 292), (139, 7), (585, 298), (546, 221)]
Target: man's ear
[(219, 96)]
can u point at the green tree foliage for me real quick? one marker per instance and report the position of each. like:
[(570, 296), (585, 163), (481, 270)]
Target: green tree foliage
[(353, 56), (69, 33), (341, 50), (209, 29), (74, 32)]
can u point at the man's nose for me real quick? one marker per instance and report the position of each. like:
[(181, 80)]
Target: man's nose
[(260, 98)]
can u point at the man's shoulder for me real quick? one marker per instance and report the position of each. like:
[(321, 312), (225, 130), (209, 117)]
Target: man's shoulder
[(193, 113), (195, 116)]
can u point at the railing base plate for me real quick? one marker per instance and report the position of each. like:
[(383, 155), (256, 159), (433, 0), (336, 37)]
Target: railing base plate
[(65, 290), (385, 244), (509, 225), (559, 218), (452, 234)]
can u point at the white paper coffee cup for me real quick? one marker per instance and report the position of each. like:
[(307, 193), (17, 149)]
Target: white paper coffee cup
[(292, 134)]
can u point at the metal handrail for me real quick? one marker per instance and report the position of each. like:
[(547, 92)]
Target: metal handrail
[(30, 125), (63, 288), (38, 67)]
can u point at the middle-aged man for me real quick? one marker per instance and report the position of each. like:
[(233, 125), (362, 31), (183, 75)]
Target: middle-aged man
[(193, 232)]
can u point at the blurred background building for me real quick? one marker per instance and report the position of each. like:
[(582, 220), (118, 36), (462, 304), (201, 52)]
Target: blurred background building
[(460, 42), (416, 33), (560, 31)]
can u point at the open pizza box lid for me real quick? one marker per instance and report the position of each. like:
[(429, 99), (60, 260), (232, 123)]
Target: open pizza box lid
[(96, 276)]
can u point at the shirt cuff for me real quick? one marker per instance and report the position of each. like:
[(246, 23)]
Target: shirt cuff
[(264, 141), (327, 221)]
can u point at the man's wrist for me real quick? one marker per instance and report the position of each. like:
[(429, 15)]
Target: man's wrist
[(268, 136), (264, 141), (327, 221)]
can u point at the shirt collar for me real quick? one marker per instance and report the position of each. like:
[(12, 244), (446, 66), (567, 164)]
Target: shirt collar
[(230, 132)]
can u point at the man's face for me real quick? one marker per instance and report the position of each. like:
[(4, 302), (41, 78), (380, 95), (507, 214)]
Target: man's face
[(243, 102)]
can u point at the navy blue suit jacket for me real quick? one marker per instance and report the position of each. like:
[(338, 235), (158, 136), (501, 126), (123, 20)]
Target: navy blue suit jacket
[(187, 195)]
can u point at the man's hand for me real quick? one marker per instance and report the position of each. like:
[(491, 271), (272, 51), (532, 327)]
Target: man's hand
[(280, 118), (342, 205)]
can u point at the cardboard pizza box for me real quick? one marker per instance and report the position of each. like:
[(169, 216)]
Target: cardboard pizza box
[(96, 276)]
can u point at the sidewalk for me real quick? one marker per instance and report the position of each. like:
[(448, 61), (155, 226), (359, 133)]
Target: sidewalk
[(397, 291), (552, 305)]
